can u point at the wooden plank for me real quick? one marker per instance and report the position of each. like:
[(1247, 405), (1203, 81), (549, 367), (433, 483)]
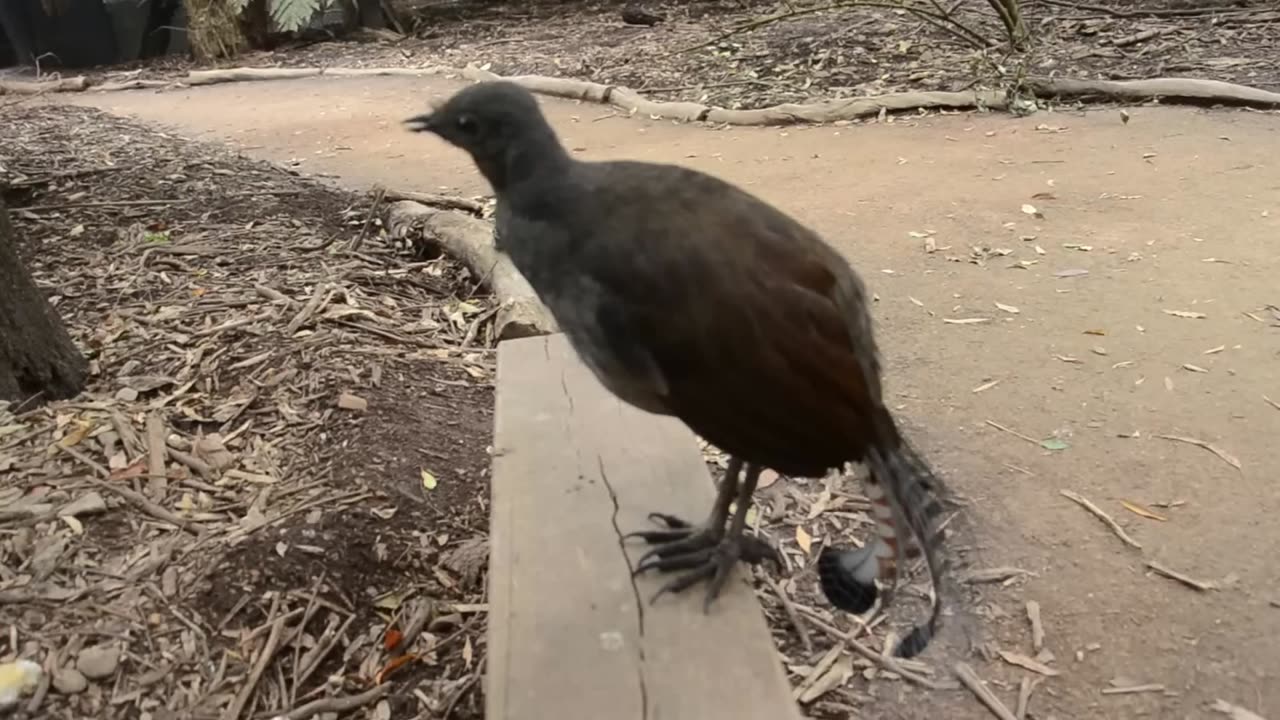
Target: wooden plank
[(570, 636)]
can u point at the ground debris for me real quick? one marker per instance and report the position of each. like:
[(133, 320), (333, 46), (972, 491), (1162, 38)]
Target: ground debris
[(204, 515)]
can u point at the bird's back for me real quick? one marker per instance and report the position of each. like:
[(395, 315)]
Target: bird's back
[(726, 311)]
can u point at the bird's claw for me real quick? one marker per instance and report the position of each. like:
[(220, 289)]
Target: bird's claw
[(705, 552)]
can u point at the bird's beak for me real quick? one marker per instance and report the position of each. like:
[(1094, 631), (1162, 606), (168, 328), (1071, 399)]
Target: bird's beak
[(421, 123), (425, 122)]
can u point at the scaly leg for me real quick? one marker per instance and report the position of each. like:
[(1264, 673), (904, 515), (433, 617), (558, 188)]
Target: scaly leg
[(709, 552), (680, 536)]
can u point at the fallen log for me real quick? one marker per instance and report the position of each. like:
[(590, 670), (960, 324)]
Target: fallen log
[(470, 241)]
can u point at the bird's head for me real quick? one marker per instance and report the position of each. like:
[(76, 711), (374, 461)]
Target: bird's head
[(499, 123)]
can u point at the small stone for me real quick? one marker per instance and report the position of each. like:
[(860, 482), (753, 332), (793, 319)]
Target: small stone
[(69, 681), (127, 394), (98, 662)]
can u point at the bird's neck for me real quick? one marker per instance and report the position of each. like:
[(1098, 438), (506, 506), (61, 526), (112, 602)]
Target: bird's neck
[(539, 161)]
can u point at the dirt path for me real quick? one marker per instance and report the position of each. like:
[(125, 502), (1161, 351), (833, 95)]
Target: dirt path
[(1178, 210)]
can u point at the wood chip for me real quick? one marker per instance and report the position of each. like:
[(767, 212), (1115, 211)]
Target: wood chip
[(1084, 502), (1037, 626), (347, 401), (1226, 457)]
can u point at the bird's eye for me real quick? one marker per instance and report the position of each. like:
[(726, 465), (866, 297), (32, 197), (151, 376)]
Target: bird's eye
[(467, 124)]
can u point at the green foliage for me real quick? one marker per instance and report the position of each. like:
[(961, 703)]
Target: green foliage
[(287, 15), (292, 15)]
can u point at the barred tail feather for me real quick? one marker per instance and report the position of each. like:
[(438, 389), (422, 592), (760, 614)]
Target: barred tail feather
[(904, 495)]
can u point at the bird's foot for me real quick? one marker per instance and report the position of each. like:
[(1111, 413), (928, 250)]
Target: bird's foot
[(707, 553)]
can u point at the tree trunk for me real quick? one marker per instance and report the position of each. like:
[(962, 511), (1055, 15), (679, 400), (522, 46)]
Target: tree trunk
[(37, 357)]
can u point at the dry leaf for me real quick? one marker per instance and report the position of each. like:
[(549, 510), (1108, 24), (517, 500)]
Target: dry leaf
[(428, 480), (803, 539), (394, 664), (1137, 509), (1185, 314)]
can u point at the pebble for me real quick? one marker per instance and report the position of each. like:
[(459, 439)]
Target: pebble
[(98, 661), (69, 681)]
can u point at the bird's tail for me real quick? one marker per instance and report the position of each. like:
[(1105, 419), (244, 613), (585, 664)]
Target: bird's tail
[(906, 502)]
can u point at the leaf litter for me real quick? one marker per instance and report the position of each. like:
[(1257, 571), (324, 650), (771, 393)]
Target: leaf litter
[(231, 520)]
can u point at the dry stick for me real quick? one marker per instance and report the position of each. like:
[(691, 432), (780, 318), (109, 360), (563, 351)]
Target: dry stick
[(313, 305), (980, 691), (337, 705), (448, 711), (368, 220), (302, 627), (134, 498), (105, 204), (433, 200), (1175, 575), (883, 661), (264, 658), (1271, 402), (1025, 689), (1013, 432), (1101, 515), (794, 616), (934, 19), (1222, 454)]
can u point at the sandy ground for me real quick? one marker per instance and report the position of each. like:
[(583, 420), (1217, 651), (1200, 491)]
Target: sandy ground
[(1177, 210)]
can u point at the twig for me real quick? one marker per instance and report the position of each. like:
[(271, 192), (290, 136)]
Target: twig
[(939, 21), (1101, 515), (1013, 432), (302, 626), (336, 705), (105, 204), (1153, 12), (883, 661), (1227, 458), (1184, 579), (1025, 688), (1271, 402), (980, 691), (368, 220), (236, 707), (1153, 687), (453, 702), (794, 616), (433, 200), (312, 306)]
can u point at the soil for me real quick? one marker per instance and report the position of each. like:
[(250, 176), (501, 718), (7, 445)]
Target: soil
[(1068, 301), (162, 257), (701, 52)]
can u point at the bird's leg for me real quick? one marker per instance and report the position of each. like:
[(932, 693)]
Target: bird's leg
[(679, 535), (713, 560)]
